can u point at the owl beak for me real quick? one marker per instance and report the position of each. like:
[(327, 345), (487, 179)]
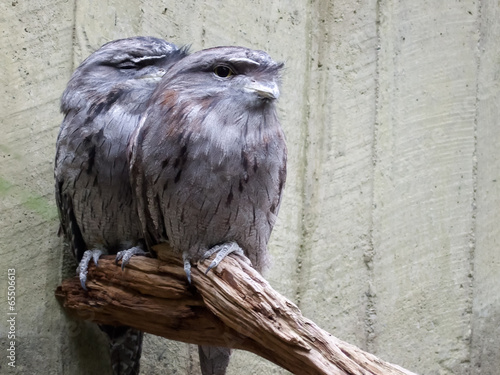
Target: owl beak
[(264, 90), (156, 76)]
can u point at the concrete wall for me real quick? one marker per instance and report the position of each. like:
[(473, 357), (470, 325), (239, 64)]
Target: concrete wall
[(389, 230)]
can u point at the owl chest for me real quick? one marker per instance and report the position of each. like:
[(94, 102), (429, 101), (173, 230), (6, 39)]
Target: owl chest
[(215, 195)]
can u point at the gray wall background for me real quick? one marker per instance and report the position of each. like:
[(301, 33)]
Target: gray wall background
[(388, 233)]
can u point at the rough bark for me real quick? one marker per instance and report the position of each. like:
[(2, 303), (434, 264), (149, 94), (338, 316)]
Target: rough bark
[(232, 306)]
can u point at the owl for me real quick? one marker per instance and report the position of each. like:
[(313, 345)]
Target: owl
[(208, 162), (102, 106)]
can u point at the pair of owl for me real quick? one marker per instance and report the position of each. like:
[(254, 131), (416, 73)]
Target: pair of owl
[(160, 145)]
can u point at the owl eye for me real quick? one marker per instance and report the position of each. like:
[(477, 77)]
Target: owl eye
[(223, 71), (127, 64)]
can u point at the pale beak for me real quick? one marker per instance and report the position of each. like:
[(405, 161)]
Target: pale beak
[(264, 90), (156, 76)]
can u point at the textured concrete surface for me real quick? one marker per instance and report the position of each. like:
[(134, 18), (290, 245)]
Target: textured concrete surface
[(388, 233)]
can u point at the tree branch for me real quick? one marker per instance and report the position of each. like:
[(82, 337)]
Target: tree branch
[(232, 306)]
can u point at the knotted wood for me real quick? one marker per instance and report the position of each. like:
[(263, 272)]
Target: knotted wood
[(232, 306)]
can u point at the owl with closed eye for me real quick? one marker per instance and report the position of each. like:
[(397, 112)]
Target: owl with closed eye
[(102, 105)]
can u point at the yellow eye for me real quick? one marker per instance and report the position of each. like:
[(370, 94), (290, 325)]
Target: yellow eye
[(223, 71)]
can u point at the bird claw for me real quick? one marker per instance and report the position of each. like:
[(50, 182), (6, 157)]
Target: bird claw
[(125, 255), (222, 251), (187, 266), (83, 267)]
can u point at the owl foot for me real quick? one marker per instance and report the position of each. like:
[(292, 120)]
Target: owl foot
[(83, 267), (222, 251), (187, 265), (125, 255)]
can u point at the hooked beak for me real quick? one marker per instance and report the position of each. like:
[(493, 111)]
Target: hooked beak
[(264, 90), (156, 76)]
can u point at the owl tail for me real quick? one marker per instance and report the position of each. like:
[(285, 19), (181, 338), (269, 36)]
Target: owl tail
[(213, 359), (125, 345)]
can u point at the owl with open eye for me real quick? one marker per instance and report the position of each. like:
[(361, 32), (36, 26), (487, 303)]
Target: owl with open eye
[(208, 162)]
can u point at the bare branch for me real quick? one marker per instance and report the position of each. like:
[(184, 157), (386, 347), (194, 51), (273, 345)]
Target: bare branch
[(232, 306)]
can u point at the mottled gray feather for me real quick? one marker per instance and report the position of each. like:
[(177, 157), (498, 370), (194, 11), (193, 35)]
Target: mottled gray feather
[(102, 105), (213, 360), (208, 161)]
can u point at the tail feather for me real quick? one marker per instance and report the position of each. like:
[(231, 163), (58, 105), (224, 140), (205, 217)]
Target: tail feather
[(125, 345), (213, 359)]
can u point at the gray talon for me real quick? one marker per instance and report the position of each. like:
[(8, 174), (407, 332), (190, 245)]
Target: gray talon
[(96, 254), (83, 267), (126, 255), (187, 266), (222, 251)]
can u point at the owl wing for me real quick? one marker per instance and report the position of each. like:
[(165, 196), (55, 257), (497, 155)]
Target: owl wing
[(91, 174), (91, 149)]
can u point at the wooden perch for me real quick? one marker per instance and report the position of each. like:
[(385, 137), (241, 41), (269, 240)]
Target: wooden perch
[(232, 306)]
